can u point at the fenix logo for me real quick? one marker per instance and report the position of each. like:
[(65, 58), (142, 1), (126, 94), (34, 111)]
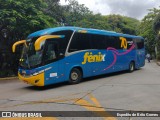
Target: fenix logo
[(90, 57)]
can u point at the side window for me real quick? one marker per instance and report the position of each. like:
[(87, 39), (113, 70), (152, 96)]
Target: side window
[(98, 41), (51, 51), (113, 41), (129, 43), (63, 42), (80, 41), (139, 43)]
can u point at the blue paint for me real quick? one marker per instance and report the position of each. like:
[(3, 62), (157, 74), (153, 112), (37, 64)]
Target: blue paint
[(63, 67)]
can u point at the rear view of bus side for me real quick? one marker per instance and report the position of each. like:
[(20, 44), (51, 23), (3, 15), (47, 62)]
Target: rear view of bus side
[(70, 54)]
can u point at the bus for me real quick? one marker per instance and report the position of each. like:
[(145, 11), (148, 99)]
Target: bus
[(70, 54)]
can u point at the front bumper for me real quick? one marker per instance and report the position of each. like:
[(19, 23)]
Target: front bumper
[(36, 80)]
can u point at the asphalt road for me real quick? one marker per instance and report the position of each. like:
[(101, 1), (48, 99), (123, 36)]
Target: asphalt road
[(123, 91)]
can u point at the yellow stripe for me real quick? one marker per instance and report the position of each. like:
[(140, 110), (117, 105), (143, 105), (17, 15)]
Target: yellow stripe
[(82, 31), (95, 108), (95, 101)]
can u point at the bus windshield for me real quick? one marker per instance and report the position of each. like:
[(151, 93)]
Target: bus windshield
[(31, 58), (48, 53)]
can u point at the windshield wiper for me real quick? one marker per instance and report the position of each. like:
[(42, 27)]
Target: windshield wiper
[(28, 61)]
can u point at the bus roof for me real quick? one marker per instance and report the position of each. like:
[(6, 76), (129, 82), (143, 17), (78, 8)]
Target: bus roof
[(89, 30)]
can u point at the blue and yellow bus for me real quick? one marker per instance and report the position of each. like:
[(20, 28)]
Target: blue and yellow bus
[(71, 53)]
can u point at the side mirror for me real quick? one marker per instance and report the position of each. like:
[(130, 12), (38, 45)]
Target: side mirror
[(17, 43)]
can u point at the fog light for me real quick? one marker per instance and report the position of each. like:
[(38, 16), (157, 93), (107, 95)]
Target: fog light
[(36, 81)]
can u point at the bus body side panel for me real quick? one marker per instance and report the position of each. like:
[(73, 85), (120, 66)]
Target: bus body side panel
[(75, 60), (128, 58), (107, 65), (112, 62), (90, 67), (52, 74), (119, 60), (57, 72), (87, 61), (140, 58)]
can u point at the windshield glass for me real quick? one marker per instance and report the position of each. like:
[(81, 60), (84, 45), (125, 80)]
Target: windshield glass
[(30, 57), (48, 53)]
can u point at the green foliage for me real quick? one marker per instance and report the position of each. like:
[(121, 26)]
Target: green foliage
[(74, 13), (156, 28), (156, 23), (55, 10), (6, 73), (147, 32), (123, 24), (25, 16), (158, 56), (147, 29)]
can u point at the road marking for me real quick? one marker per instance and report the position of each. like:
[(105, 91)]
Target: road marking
[(95, 107)]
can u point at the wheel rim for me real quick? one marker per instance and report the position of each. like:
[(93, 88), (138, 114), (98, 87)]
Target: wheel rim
[(74, 76)]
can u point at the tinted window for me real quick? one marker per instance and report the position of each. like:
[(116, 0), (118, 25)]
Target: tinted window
[(63, 42), (83, 41), (51, 51), (80, 41), (139, 43), (98, 41), (103, 42), (113, 41)]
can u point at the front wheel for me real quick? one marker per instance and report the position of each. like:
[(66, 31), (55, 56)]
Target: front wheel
[(75, 76), (131, 67)]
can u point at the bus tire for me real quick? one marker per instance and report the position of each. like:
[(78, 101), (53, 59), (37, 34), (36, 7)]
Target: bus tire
[(131, 67), (75, 76)]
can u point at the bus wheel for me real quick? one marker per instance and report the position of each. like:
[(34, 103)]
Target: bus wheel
[(75, 76), (131, 67)]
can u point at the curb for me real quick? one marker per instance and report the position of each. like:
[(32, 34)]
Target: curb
[(8, 78)]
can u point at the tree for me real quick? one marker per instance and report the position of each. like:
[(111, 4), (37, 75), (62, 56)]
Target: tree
[(55, 10), (146, 30), (156, 24), (20, 18), (123, 24), (74, 12), (25, 16), (156, 28)]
